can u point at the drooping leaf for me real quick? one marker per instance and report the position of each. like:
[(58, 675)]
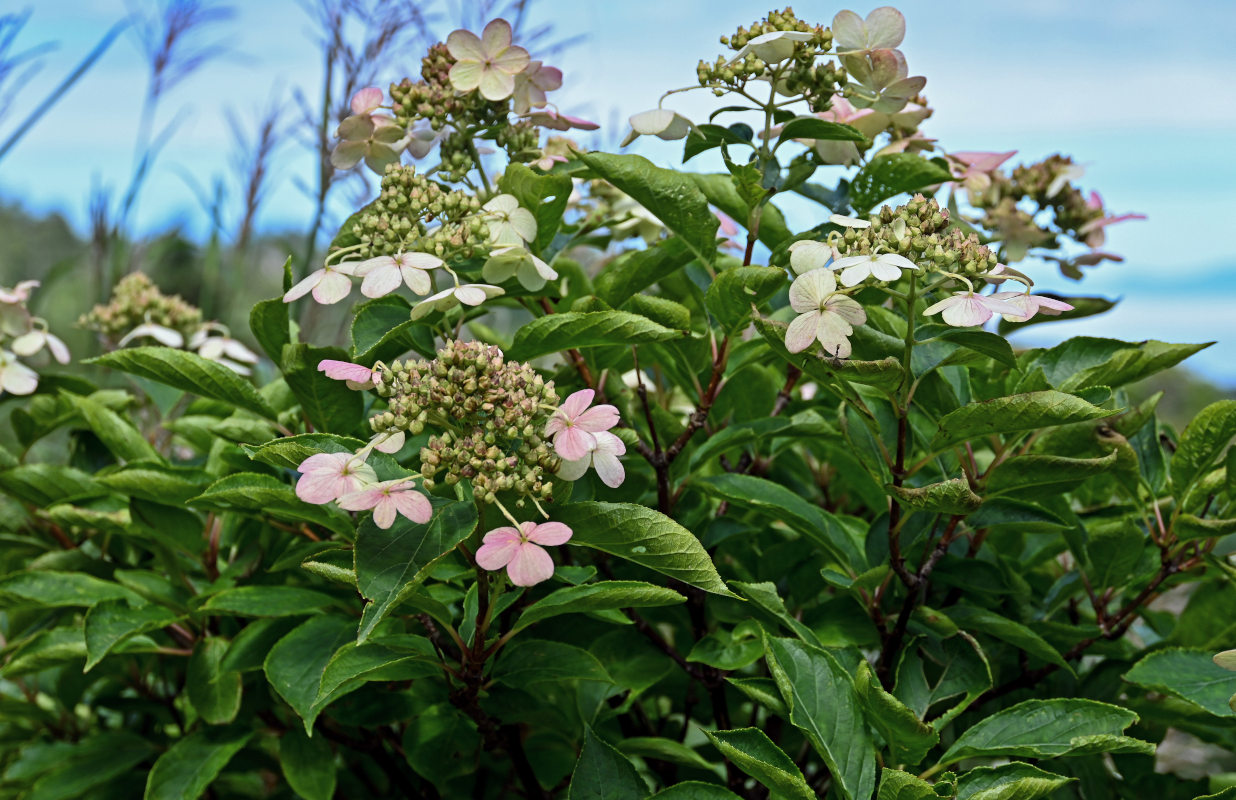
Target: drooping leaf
[(975, 619), (189, 766), (636, 270), (294, 666), (1201, 443), (898, 785), (819, 129), (754, 753), (603, 596), (187, 372), (308, 764), (1191, 675), (213, 690), (117, 434), (1015, 781), (908, 738), (603, 773), (734, 291), (1021, 472), (953, 496), (581, 329), (1018, 412)]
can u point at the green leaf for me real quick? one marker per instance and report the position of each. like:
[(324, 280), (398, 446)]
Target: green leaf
[(294, 666), (754, 753), (383, 331), (88, 764), (391, 563), (887, 176), (213, 691), (267, 601), (897, 785), (670, 195), (117, 434), (442, 743), (47, 484), (157, 482), (1191, 526), (777, 502), (728, 650), (953, 496), (113, 621), (603, 596), (545, 196), (823, 704), (603, 773), (52, 589), (399, 657), (1112, 552), (288, 452), (668, 750), (554, 333), (816, 128), (636, 270), (187, 372), (1015, 781), (190, 765), (989, 344), (1201, 443), (908, 738), (1018, 412), (1049, 729), (720, 191), (249, 647), (1087, 361), (1191, 675), (1021, 472), (270, 322), (886, 372), (1006, 630), (329, 404), (646, 537), (765, 598), (958, 668), (530, 661), (308, 764), (703, 138), (695, 790), (264, 495), (734, 292)]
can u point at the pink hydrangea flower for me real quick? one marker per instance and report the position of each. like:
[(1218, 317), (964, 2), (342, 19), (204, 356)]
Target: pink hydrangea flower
[(1093, 231), (560, 122), (488, 62), (366, 100), (603, 458), (522, 551), (356, 375), (973, 170), (574, 425), (383, 274), (330, 284), (1031, 304), (532, 84), (329, 476), (965, 309), (387, 499)]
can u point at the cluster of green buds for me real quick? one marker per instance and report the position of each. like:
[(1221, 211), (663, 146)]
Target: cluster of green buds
[(398, 221), (1048, 184), (492, 413), (434, 100), (136, 301), (920, 231)]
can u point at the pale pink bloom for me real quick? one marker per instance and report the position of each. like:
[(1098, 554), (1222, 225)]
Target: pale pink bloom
[(509, 224), (966, 309), (824, 316), (881, 266), (222, 348), (357, 376), (521, 552), (488, 62), (30, 343), (560, 122), (774, 47), (366, 100), (389, 441), (531, 272), (574, 425), (659, 122), (884, 28), (164, 336), (19, 293), (16, 377), (808, 254), (1093, 231), (867, 121), (330, 284), (532, 84), (329, 476), (1031, 304), (546, 161), (383, 274), (973, 170), (388, 499), (376, 139), (469, 294), (603, 458), (885, 72)]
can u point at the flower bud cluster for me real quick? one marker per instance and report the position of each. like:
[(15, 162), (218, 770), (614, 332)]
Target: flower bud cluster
[(799, 74), (494, 413), (920, 231), (135, 301), (434, 98), (1037, 181), (398, 220)]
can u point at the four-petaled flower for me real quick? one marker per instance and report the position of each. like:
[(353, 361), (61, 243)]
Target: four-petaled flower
[(16, 377), (530, 271), (222, 348), (774, 47), (1031, 304), (884, 29), (965, 309), (509, 223), (469, 294), (881, 266), (36, 339), (376, 139), (383, 274), (356, 375), (574, 426), (488, 62), (329, 476), (973, 170), (387, 499), (330, 284), (532, 84), (521, 551), (659, 122), (603, 458), (808, 254), (824, 315)]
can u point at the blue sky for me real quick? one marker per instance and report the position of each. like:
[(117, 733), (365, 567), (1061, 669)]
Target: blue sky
[(1140, 92)]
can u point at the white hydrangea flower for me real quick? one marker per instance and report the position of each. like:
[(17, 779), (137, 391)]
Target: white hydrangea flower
[(881, 266), (662, 123), (469, 294), (509, 224), (531, 272), (824, 315)]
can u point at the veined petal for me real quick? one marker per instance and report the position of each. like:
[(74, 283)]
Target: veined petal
[(419, 260), (899, 261), (852, 276), (597, 419), (577, 403), (497, 548), (573, 443), (831, 331), (885, 27), (524, 223), (417, 280), (651, 123), (849, 31), (333, 287), (806, 255), (392, 443), (466, 75), (512, 61), (801, 333), (882, 270), (465, 45), (17, 378), (550, 534), (530, 565), (413, 505), (470, 294), (605, 460), (810, 289), (967, 312), (382, 280), (574, 470), (384, 512), (305, 286), (495, 84), (496, 37)]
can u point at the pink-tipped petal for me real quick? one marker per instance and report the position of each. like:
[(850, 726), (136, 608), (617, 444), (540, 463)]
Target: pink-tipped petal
[(366, 100), (413, 505), (345, 371), (598, 418), (550, 534), (576, 403), (498, 548), (381, 280), (304, 287), (573, 444)]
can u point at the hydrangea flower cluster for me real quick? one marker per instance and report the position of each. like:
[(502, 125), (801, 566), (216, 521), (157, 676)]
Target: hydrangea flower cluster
[(23, 335), (139, 312), (496, 424)]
